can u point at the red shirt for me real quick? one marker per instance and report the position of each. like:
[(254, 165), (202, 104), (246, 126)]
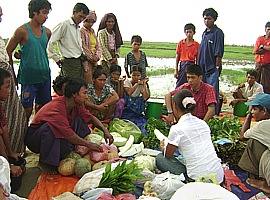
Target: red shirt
[(56, 115), (265, 57), (187, 53), (3, 118), (204, 96)]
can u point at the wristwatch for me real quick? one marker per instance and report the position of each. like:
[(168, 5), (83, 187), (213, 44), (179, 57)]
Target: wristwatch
[(170, 111)]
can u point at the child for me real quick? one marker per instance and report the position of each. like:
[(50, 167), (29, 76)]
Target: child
[(91, 47), (59, 85), (186, 53), (115, 81), (136, 57), (136, 93), (110, 40), (5, 147)]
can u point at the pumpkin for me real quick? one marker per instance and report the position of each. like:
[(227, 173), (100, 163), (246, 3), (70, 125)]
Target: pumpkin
[(82, 166), (87, 156), (100, 164), (112, 154), (72, 154), (67, 166)]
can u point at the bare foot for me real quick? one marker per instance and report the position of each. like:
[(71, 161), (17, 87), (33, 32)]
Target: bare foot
[(47, 169)]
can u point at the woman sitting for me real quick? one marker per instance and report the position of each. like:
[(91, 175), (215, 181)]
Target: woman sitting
[(191, 136), (136, 93), (115, 81), (101, 96)]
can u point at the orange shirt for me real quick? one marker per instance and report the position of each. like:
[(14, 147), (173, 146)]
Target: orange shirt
[(265, 57), (187, 53)]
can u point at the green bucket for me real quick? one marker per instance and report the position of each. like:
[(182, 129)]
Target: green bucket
[(154, 109), (240, 109)]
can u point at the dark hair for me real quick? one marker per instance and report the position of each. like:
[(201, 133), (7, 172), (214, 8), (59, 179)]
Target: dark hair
[(37, 5), (267, 24), (74, 85), (210, 12), (178, 99), (59, 82), (136, 68), (99, 71), (4, 74), (194, 69), (136, 38), (81, 7), (190, 26), (115, 68), (261, 108), (102, 25), (252, 72)]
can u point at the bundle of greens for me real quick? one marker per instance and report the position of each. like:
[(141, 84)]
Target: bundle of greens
[(229, 128), (150, 140), (120, 178)]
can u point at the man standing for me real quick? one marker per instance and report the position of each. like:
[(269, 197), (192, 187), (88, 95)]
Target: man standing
[(262, 58), (211, 51), (67, 36), (34, 72)]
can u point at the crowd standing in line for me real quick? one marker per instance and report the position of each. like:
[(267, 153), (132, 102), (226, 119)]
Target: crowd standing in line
[(60, 124)]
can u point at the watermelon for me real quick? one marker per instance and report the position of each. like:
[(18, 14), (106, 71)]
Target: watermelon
[(82, 166)]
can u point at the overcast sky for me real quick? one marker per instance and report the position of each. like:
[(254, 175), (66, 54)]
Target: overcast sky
[(155, 20)]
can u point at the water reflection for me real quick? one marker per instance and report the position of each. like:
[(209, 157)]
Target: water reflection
[(160, 85)]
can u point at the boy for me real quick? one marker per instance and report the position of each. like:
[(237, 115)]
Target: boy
[(5, 147), (186, 53), (136, 57), (33, 38), (247, 91)]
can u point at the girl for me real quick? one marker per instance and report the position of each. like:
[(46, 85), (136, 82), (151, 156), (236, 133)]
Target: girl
[(110, 39), (192, 137), (136, 93), (91, 47), (102, 97), (115, 81)]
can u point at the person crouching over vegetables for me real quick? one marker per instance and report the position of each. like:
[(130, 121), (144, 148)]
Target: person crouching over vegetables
[(61, 124), (136, 93), (256, 157), (101, 96), (191, 136)]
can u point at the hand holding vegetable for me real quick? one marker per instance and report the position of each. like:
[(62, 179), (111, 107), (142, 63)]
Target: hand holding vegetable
[(94, 147), (108, 137)]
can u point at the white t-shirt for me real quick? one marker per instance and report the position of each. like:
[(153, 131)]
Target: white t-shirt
[(138, 91), (192, 136), (250, 93)]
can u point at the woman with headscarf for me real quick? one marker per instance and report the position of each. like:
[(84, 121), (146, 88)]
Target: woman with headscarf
[(110, 39), (90, 44)]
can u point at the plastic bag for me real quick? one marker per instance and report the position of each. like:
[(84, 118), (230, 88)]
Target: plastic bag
[(126, 128), (148, 176), (96, 193), (4, 176), (166, 184)]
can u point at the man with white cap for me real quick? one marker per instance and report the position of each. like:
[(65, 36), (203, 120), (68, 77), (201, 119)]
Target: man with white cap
[(256, 157)]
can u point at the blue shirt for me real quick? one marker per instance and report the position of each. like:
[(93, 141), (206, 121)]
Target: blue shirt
[(212, 46)]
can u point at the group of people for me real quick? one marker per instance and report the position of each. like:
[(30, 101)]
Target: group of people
[(90, 89)]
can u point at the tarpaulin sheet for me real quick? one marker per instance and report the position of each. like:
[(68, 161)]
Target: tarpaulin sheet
[(49, 186)]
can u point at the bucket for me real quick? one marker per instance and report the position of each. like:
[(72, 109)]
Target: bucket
[(16, 181), (240, 109), (154, 109)]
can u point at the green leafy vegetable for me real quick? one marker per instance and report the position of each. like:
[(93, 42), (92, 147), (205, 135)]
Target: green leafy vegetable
[(227, 127), (150, 140), (120, 178)]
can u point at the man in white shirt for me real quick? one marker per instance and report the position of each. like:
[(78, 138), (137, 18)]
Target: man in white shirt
[(247, 91), (68, 38)]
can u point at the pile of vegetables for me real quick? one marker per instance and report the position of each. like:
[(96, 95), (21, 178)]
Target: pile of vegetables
[(126, 128), (150, 140), (120, 178), (228, 127)]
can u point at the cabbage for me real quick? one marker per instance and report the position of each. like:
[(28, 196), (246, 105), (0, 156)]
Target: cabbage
[(146, 162), (126, 128), (95, 138), (119, 141)]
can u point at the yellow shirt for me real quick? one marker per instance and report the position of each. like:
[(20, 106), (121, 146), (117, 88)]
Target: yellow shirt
[(93, 40)]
